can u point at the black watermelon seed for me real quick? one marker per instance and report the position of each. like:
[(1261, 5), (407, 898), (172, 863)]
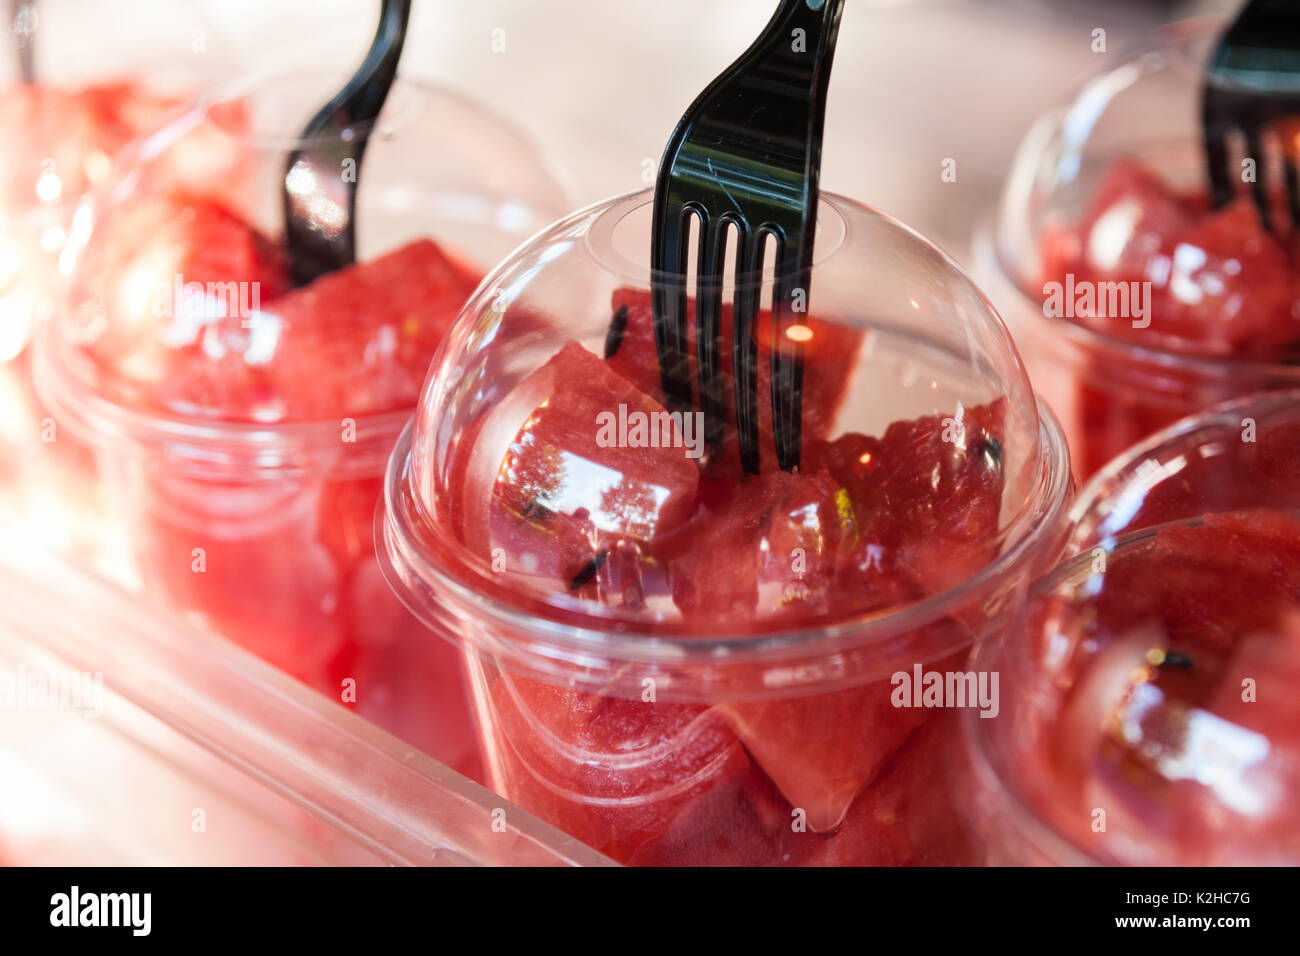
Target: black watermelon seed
[(589, 570), (614, 337)]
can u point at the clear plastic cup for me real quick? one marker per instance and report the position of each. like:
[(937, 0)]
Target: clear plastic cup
[(61, 134), (1132, 303), (242, 428), (679, 663), (1149, 706)]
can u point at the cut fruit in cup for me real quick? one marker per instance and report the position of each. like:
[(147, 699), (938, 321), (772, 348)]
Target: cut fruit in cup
[(1147, 713), (1134, 301), (684, 664), (829, 353), (243, 425)]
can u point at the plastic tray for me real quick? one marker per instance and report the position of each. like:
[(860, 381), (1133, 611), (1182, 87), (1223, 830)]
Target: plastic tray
[(196, 752)]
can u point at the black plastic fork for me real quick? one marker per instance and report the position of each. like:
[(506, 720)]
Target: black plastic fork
[(317, 239), (1253, 80), (747, 155)]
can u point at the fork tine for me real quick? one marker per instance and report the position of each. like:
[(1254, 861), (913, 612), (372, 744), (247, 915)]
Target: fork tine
[(1292, 189), (668, 303), (708, 327), (1259, 189), (744, 356), (1216, 149), (787, 357)]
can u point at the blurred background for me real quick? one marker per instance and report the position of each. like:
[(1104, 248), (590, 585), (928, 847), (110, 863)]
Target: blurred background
[(599, 84)]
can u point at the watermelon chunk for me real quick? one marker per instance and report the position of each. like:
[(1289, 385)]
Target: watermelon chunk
[(821, 749), (882, 522), (611, 771), (1257, 551), (151, 343), (926, 497), (560, 492), (768, 554), (907, 817), (1220, 283), (1127, 222), (360, 340), (1152, 722), (354, 342), (830, 355)]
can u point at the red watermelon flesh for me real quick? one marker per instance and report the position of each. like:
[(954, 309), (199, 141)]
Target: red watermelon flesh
[(766, 555), (361, 339), (1215, 600), (744, 821), (1220, 283), (883, 522), (354, 342), (907, 816), (560, 494), (152, 349), (821, 749), (830, 356), (611, 771), (927, 499), (1127, 222), (1258, 551), (264, 577)]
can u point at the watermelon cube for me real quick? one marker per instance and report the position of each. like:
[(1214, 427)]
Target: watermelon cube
[(360, 340), (830, 355), (558, 484), (612, 771)]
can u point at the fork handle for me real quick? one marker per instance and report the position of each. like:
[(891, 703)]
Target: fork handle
[(792, 55), (380, 64)]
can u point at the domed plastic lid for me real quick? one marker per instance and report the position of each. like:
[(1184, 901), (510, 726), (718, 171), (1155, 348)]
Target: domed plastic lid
[(59, 143), (1105, 220), (181, 313), (1156, 681), (550, 474)]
